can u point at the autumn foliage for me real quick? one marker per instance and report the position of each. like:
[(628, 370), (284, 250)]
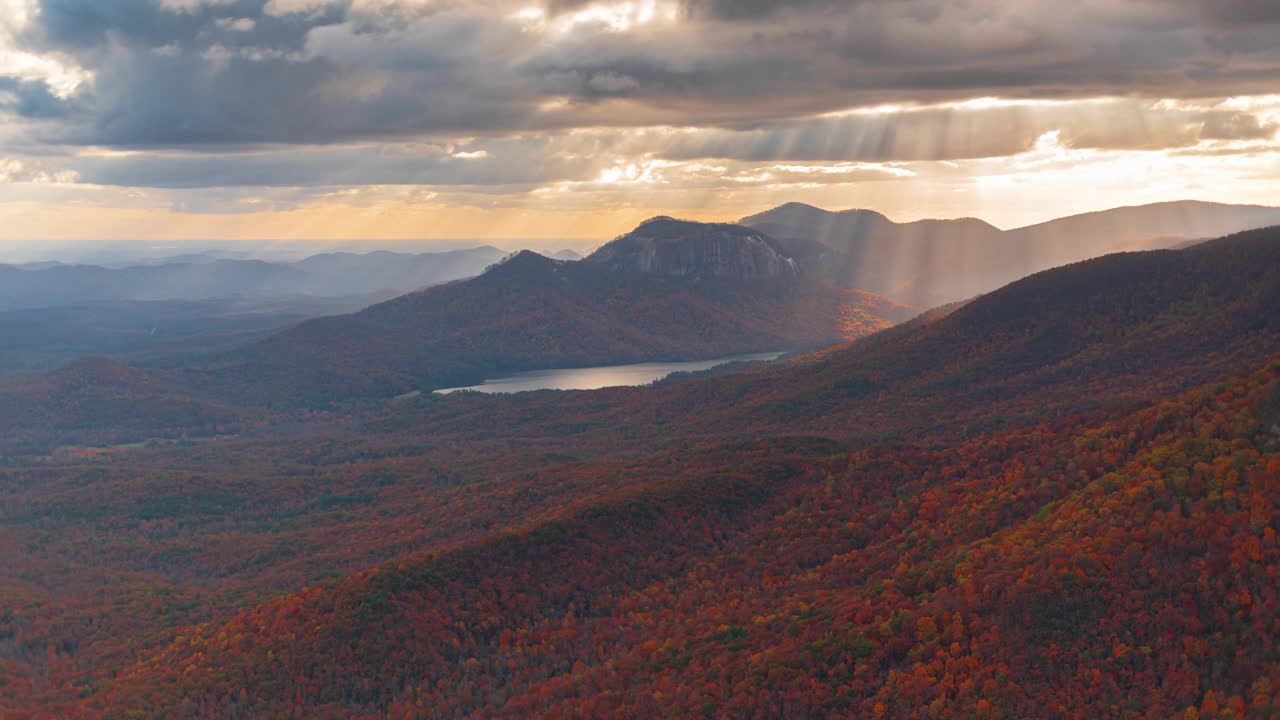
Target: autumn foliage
[(1125, 568), (1058, 500)]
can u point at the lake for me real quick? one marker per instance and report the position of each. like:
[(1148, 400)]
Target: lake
[(594, 378)]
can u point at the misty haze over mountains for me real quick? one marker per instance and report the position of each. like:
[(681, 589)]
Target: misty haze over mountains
[(330, 275), (203, 302), (51, 312), (931, 262), (921, 263), (121, 254)]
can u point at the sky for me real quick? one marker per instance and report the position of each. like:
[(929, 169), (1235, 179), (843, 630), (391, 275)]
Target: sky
[(551, 121)]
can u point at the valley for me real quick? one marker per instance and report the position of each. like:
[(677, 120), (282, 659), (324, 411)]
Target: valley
[(825, 526)]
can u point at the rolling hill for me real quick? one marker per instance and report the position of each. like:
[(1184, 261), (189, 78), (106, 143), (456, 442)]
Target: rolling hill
[(96, 402)]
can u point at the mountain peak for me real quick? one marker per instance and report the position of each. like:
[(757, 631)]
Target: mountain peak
[(522, 263), (656, 219), (793, 212), (860, 212), (798, 208), (683, 248), (564, 255)]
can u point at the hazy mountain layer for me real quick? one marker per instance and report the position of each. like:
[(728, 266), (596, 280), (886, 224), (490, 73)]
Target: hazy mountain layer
[(332, 275), (931, 262)]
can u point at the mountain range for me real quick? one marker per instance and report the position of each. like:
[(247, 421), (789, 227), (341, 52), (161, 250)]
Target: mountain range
[(791, 279), (670, 290), (921, 264), (933, 262), (673, 289)]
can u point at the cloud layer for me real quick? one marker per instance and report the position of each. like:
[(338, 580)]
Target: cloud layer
[(520, 96)]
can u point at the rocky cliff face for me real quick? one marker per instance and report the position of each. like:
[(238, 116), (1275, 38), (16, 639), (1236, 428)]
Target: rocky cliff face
[(678, 248)]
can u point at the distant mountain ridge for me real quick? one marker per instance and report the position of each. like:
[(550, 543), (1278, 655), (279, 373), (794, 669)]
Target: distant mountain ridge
[(202, 278), (668, 290), (932, 262)]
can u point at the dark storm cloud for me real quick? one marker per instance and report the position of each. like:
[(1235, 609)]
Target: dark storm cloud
[(85, 27), (233, 73), (32, 99), (809, 57)]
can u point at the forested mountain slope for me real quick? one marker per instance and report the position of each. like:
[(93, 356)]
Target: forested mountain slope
[(1122, 328), (1124, 567), (531, 312)]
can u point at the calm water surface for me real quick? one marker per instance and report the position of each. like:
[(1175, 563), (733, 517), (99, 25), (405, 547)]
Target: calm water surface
[(594, 378)]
